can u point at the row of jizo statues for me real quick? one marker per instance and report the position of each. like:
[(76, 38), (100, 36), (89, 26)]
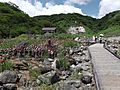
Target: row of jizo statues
[(24, 50)]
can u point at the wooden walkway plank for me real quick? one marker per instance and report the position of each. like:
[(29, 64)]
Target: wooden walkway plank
[(107, 67)]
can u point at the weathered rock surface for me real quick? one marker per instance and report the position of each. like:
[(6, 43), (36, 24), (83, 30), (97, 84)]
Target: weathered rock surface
[(86, 79), (66, 87), (75, 83), (49, 78), (45, 69), (10, 87), (8, 77)]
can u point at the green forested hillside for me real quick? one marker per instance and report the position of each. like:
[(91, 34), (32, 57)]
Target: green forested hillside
[(64, 21), (14, 22)]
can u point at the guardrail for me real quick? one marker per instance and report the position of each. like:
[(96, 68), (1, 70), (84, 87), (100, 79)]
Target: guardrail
[(107, 48)]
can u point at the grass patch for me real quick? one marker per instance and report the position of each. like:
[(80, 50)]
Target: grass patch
[(34, 73), (47, 87), (6, 66), (70, 44), (111, 31)]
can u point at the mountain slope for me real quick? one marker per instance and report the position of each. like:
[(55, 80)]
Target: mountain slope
[(64, 21), (14, 22)]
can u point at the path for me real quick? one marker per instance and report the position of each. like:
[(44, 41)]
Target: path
[(107, 68)]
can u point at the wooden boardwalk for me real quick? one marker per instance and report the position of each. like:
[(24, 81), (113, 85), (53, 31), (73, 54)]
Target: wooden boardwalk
[(106, 67)]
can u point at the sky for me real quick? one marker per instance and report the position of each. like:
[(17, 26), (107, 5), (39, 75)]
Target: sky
[(94, 8)]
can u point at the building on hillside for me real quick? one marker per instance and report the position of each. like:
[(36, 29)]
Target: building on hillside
[(76, 30), (49, 29)]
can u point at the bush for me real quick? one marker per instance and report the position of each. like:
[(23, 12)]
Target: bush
[(7, 66), (46, 87), (63, 36), (64, 64), (70, 44), (34, 73)]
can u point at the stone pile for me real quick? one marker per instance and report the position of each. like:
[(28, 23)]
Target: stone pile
[(113, 46), (78, 75)]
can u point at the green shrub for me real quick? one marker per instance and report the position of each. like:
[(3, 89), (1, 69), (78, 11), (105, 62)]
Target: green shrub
[(70, 44), (118, 52), (63, 36), (64, 64), (34, 73), (46, 87), (7, 66)]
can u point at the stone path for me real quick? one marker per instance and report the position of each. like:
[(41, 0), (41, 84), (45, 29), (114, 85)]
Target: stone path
[(106, 67)]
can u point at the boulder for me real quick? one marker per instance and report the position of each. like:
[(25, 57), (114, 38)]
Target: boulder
[(75, 83), (49, 78), (85, 68), (69, 87), (10, 87), (77, 59), (46, 62), (1, 88), (87, 60), (8, 77), (55, 78), (86, 79), (55, 65), (63, 86), (45, 69), (65, 74), (72, 67), (76, 68), (50, 59), (87, 73), (87, 87)]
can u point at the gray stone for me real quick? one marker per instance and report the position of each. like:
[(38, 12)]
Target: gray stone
[(87, 73), (87, 60), (49, 78), (87, 87), (10, 87), (66, 87), (38, 81), (85, 68), (55, 65), (76, 68), (1, 88), (64, 75), (72, 67), (71, 51), (75, 83), (8, 77), (50, 59), (46, 62), (45, 69), (86, 79), (77, 59)]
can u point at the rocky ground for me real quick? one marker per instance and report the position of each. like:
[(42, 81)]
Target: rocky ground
[(113, 45), (70, 70)]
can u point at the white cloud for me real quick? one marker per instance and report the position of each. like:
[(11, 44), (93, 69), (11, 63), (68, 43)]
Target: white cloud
[(48, 9), (107, 6), (80, 2)]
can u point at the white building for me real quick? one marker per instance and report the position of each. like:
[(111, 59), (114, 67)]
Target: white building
[(76, 30)]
